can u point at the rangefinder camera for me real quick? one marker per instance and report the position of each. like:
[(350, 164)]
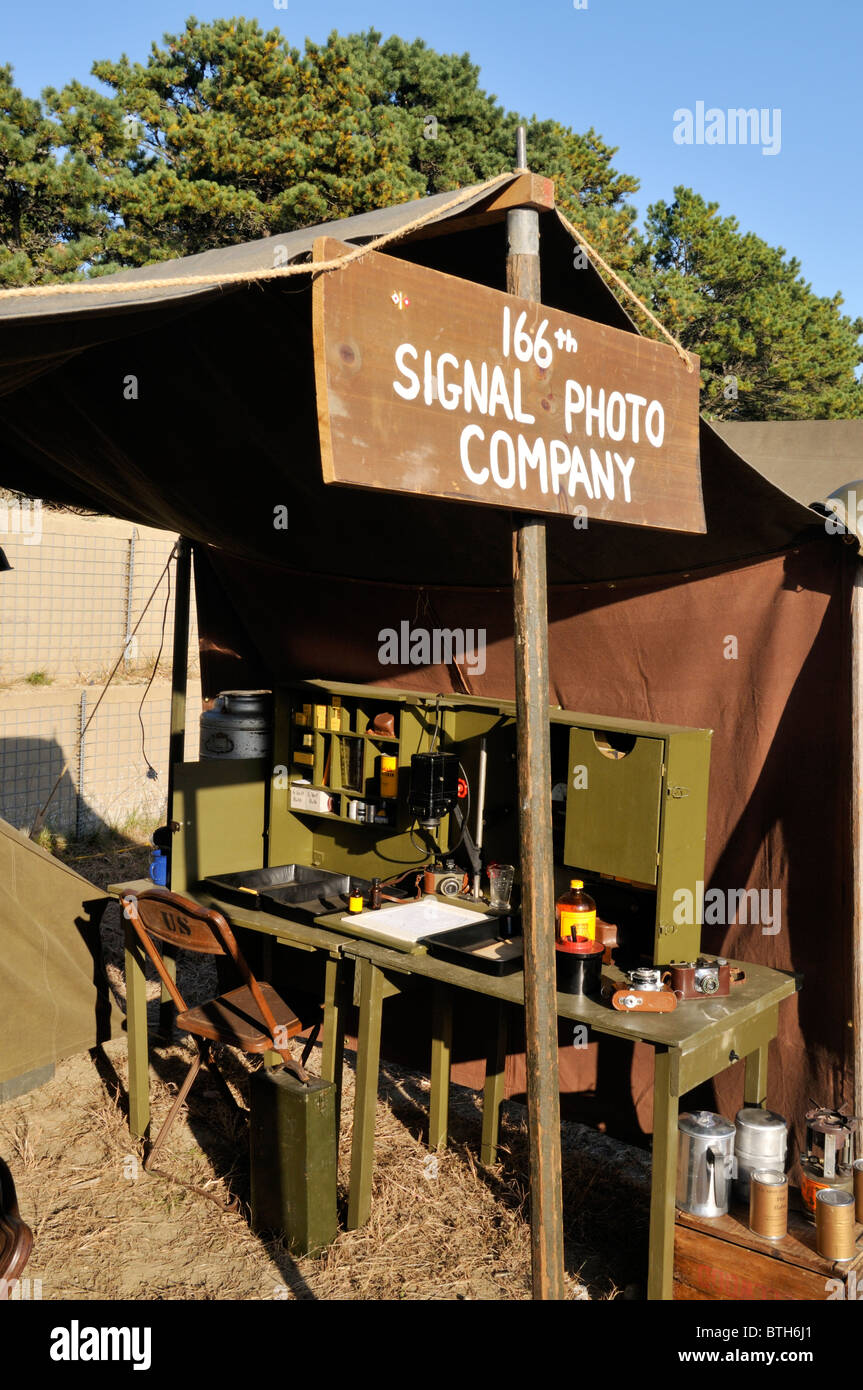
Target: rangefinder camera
[(646, 992), (703, 978), (446, 879)]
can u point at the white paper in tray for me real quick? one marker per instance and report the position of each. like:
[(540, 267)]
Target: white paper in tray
[(409, 921)]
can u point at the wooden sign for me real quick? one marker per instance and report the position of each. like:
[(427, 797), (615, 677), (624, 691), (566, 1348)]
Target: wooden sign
[(434, 385)]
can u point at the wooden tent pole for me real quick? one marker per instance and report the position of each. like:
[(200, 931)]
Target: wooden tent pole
[(857, 831), (179, 667), (530, 601)]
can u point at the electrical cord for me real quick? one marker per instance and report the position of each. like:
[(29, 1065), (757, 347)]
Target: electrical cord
[(466, 816), (39, 818), (151, 771), (436, 733)]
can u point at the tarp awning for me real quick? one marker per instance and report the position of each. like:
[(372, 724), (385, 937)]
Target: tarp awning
[(196, 412)]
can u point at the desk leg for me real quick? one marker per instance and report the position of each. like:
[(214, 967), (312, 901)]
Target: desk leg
[(663, 1182), (136, 1035), (755, 1082), (441, 1056), (371, 988), (493, 1091), (167, 1007), (333, 1049)]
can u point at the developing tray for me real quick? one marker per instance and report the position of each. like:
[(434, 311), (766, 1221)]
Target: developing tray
[(286, 889), (479, 946)]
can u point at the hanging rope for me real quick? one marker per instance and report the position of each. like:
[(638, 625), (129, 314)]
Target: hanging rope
[(613, 275)]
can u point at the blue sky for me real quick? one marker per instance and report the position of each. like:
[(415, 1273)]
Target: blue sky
[(622, 66)]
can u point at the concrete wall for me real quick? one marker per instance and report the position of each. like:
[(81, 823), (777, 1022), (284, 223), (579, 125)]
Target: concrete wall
[(77, 586)]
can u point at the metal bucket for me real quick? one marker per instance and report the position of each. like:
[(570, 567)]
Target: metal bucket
[(238, 726), (761, 1141), (705, 1163)]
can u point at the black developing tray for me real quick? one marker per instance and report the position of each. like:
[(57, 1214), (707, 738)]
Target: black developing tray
[(286, 889), (472, 945), (330, 894)]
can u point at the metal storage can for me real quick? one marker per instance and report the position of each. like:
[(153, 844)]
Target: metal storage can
[(705, 1163), (761, 1141), (238, 726)]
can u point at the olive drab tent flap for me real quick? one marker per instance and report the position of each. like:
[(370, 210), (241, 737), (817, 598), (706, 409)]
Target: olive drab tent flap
[(54, 997)]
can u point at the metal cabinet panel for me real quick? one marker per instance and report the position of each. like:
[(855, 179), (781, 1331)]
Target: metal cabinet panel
[(221, 808), (613, 802)]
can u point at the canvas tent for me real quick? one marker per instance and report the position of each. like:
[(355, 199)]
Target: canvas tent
[(808, 459), (224, 429), (54, 997)]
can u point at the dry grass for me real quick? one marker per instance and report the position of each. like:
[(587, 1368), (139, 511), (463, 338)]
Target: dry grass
[(442, 1227)]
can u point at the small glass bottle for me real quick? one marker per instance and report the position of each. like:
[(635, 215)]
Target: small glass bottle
[(575, 913), (376, 895)]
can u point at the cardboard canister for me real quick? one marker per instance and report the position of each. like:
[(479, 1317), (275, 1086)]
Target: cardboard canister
[(579, 966), (834, 1224), (858, 1189), (768, 1204)]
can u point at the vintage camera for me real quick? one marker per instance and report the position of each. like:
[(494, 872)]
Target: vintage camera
[(443, 877), (646, 992), (703, 978)]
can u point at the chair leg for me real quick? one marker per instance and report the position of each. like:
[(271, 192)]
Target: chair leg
[(175, 1108), (313, 1037), (233, 1204), (292, 1065), (216, 1072)]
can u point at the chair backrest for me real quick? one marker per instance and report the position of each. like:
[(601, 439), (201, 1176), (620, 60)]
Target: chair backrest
[(159, 913), (181, 922)]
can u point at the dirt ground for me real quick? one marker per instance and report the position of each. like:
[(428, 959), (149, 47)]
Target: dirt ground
[(441, 1227)]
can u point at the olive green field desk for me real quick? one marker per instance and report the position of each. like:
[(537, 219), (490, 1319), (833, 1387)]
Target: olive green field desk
[(280, 931), (692, 1045)]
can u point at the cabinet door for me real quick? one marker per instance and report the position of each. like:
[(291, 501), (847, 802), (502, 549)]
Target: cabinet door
[(220, 806), (613, 803)]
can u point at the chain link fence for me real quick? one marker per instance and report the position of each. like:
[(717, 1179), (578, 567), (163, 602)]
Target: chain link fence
[(68, 607), (76, 589)]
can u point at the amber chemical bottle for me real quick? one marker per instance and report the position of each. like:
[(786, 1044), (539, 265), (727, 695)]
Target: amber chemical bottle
[(575, 913)]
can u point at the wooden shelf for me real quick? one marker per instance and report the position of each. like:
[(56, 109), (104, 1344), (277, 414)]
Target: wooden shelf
[(722, 1259)]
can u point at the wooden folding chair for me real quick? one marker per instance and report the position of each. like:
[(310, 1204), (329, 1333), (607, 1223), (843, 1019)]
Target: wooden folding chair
[(253, 1017), (16, 1238)]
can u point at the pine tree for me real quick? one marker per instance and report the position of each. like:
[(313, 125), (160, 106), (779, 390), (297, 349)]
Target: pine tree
[(240, 136), (50, 220), (227, 133), (771, 349)]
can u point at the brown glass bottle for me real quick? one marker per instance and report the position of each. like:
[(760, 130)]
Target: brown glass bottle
[(575, 913)]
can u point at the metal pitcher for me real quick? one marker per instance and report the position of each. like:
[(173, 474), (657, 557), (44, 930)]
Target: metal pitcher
[(705, 1163)]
